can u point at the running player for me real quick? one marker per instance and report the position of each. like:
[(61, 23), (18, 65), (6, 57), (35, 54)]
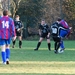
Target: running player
[(44, 32), (7, 30)]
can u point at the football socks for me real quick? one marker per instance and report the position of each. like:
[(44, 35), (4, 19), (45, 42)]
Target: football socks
[(7, 53), (49, 46), (3, 56)]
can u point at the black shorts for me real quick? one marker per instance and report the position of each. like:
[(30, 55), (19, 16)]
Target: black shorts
[(18, 33), (56, 39), (45, 36)]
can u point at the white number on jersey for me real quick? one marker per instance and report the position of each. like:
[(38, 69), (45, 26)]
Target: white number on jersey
[(5, 24), (54, 30)]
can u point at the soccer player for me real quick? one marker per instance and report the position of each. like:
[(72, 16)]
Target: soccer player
[(44, 32), (7, 31), (59, 31), (18, 29), (55, 29), (64, 32)]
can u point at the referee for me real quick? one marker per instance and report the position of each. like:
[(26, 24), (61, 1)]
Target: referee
[(18, 29), (44, 32)]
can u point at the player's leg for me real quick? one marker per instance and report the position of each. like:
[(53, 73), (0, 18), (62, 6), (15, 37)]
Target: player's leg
[(62, 34), (20, 41), (62, 44), (7, 54), (39, 43), (57, 44), (49, 44), (3, 53), (40, 40), (13, 42), (8, 50)]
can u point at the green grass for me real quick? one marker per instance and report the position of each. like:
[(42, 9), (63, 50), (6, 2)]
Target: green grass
[(26, 61)]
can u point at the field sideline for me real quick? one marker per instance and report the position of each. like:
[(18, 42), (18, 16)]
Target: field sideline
[(26, 61)]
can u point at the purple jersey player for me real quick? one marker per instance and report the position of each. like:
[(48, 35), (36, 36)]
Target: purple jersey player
[(7, 31), (64, 33)]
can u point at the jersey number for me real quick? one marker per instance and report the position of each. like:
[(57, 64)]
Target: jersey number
[(5, 24), (54, 30)]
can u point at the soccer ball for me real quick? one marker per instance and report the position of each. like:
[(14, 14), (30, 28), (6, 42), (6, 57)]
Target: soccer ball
[(60, 50)]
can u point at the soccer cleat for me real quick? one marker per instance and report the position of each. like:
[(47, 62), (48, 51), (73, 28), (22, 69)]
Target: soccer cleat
[(7, 62), (55, 51), (19, 46), (35, 49), (13, 46), (4, 63), (49, 49)]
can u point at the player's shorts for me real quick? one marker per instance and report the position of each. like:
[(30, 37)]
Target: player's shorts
[(45, 36), (63, 33), (5, 41), (56, 39), (18, 33)]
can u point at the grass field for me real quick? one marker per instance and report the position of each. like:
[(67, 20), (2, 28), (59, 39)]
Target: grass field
[(26, 61)]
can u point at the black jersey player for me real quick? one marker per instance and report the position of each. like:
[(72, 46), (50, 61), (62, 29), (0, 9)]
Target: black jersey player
[(44, 32), (18, 29), (58, 33), (55, 35)]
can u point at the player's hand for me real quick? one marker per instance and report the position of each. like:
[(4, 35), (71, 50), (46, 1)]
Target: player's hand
[(48, 35), (18, 29), (40, 34), (70, 28), (14, 38)]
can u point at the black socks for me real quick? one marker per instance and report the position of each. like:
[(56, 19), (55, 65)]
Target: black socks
[(49, 46)]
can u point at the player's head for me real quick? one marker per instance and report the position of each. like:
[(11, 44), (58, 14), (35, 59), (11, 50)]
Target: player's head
[(42, 22), (17, 17), (5, 12), (59, 19)]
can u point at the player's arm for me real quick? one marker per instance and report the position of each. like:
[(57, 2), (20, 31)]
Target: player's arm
[(39, 29), (13, 33), (48, 31), (39, 32), (22, 26)]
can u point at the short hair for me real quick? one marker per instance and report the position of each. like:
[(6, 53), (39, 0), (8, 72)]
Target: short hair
[(59, 19), (5, 12), (43, 20), (16, 16)]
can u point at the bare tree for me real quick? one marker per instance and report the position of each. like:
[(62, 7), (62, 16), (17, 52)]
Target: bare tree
[(14, 6), (4, 4), (51, 10)]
